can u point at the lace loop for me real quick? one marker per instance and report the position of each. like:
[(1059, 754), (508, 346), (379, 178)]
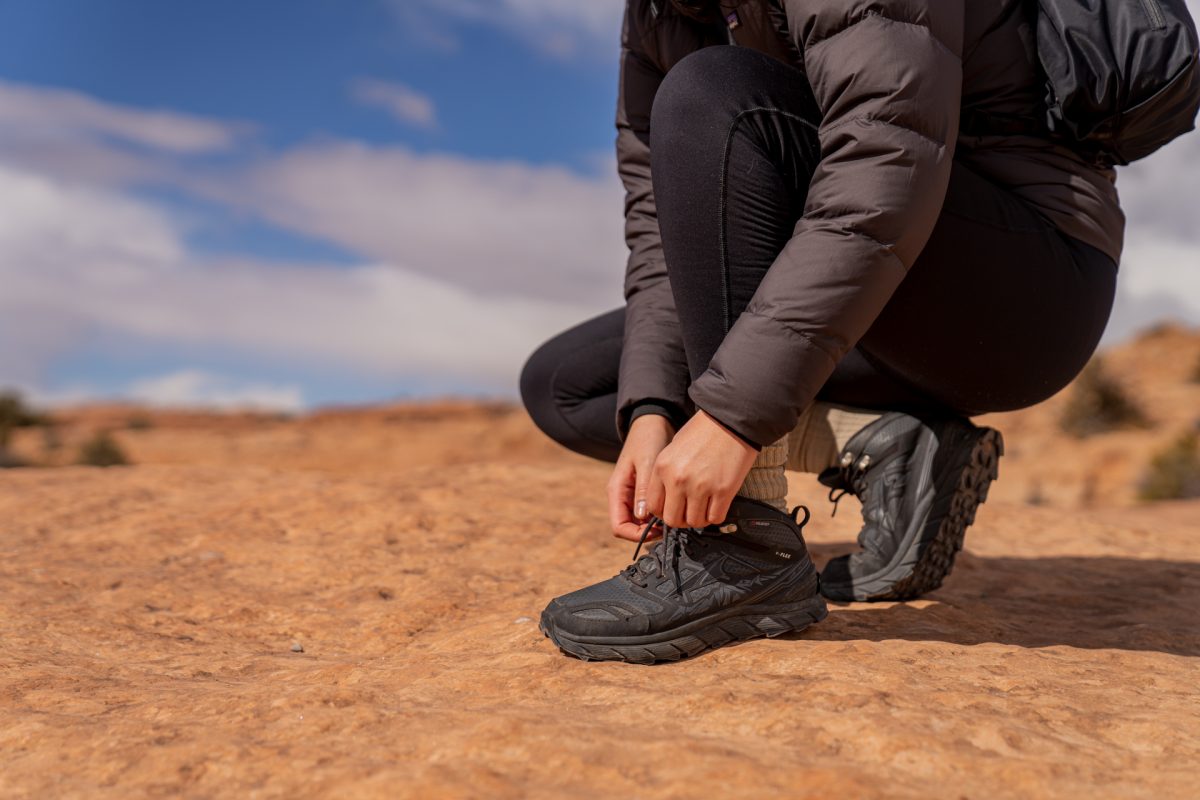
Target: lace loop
[(835, 500), (851, 479), (674, 543)]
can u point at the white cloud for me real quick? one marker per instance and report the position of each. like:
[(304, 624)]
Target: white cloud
[(193, 388), (69, 135), (404, 103), (32, 338), (488, 227), (485, 226), (562, 28), (97, 262), (1162, 264), (185, 388), (39, 112), (50, 226)]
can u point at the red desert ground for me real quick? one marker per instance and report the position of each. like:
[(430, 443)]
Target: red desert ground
[(345, 603)]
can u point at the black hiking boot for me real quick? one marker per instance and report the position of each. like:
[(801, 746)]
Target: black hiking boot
[(696, 589), (920, 482)]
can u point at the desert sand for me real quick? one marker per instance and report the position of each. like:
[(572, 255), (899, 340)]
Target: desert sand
[(345, 604)]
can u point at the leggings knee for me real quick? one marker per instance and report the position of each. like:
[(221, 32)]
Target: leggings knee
[(685, 99), (537, 388), (568, 386), (545, 404)]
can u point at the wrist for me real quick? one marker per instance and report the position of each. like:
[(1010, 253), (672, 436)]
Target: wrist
[(733, 433)]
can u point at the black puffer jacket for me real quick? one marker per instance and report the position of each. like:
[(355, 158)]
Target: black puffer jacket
[(895, 80)]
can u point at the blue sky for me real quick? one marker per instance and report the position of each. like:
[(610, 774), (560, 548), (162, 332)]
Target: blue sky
[(304, 202), (286, 66)]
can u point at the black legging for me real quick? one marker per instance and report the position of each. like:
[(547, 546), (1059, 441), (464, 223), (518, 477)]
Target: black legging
[(999, 311)]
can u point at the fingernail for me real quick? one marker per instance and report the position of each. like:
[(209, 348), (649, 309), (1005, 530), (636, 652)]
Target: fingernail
[(641, 509)]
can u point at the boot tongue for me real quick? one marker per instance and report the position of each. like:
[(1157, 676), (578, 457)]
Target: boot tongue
[(833, 478), (645, 563), (743, 508)]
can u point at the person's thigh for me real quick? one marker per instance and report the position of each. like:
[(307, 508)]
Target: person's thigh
[(569, 386), (999, 311), (734, 145), (858, 381)]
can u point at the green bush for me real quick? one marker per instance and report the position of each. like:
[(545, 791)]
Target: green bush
[(102, 450), (15, 414), (1099, 404), (139, 422), (1174, 474)]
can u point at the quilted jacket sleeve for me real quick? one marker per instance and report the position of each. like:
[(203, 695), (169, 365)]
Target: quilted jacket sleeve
[(656, 368), (887, 75)]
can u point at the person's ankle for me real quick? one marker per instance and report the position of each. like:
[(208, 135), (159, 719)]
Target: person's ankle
[(821, 435), (767, 482)]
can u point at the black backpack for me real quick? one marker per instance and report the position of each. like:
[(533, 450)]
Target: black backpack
[(1122, 76)]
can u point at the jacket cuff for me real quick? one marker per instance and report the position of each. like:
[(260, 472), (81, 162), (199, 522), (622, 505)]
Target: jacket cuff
[(662, 408), (670, 409), (760, 393)]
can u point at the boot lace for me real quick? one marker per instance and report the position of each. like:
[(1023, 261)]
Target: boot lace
[(665, 558), (851, 479)]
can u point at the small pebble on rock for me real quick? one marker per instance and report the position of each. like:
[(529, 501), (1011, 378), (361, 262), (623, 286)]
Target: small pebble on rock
[(297, 647), (522, 620)]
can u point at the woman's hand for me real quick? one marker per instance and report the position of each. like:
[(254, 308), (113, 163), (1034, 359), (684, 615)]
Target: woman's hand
[(627, 502), (696, 477)]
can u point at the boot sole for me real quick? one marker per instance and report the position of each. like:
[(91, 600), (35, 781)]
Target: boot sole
[(907, 578), (708, 633)]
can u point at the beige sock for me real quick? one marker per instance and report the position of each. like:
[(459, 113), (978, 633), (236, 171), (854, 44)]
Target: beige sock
[(766, 481), (822, 432)]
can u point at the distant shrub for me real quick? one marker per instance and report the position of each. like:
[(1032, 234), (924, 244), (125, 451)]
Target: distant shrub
[(14, 413), (1099, 404), (1174, 474), (139, 422), (1195, 376), (102, 450), (1159, 329), (8, 460)]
